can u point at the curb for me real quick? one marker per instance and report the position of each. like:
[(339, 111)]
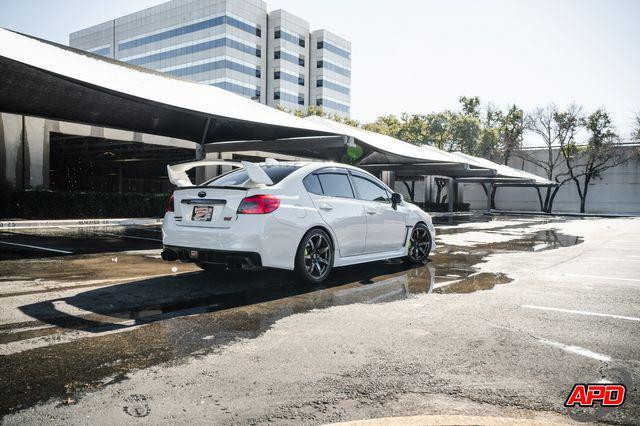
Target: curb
[(569, 214), (448, 420), (76, 223)]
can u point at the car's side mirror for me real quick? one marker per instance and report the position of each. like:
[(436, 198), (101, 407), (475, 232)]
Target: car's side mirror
[(396, 199)]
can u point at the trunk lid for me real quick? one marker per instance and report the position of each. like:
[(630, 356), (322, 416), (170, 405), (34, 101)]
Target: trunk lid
[(207, 207)]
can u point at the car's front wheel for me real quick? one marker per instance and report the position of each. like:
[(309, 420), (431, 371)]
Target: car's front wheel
[(419, 244), (314, 258)]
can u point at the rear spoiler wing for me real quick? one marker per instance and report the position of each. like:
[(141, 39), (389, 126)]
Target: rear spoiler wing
[(178, 172)]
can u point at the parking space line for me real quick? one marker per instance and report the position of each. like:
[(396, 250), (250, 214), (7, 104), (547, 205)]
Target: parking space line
[(600, 277), (37, 247), (577, 350), (571, 311)]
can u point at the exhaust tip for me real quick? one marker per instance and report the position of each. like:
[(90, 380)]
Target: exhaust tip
[(168, 255)]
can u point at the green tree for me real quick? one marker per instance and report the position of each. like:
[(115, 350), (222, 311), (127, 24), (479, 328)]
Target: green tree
[(601, 152), (555, 128), (512, 126), (470, 106)]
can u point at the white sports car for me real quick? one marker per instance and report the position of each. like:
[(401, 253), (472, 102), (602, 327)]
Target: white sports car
[(307, 217)]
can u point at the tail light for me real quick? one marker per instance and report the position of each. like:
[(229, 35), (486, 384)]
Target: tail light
[(170, 204), (259, 204)]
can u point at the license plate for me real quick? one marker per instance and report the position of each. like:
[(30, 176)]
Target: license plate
[(202, 213)]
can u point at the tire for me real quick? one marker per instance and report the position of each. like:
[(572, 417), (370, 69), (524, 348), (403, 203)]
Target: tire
[(419, 244), (210, 267), (314, 257)]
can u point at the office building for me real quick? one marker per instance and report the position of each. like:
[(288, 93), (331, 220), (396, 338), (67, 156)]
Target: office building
[(271, 57)]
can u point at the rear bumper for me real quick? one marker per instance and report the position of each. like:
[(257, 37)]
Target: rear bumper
[(270, 243), (230, 259)]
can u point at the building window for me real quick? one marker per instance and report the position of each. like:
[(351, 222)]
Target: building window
[(276, 75), (289, 97), (200, 47), (190, 28), (286, 56), (334, 68), (333, 86), (291, 38), (327, 103), (334, 49)]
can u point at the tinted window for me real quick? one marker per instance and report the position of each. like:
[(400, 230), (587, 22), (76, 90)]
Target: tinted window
[(369, 191), (312, 184), (336, 185), (239, 177)]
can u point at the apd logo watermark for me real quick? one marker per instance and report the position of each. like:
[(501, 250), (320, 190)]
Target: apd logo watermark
[(591, 402)]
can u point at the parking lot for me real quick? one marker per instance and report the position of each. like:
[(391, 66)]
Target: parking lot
[(509, 313)]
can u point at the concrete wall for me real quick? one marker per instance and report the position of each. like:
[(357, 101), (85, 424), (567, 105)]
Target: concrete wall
[(617, 191)]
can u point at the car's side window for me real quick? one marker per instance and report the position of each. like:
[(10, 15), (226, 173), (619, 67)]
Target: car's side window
[(369, 191), (336, 185), (312, 184)]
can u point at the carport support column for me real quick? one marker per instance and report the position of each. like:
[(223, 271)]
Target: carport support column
[(450, 194), (389, 179), (489, 192), (200, 152)]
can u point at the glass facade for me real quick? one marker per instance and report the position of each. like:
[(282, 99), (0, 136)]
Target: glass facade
[(333, 86), (328, 103), (291, 38), (253, 93), (214, 65), (335, 49), (105, 51), (284, 75), (198, 26), (333, 67), (289, 97), (286, 56), (199, 47)]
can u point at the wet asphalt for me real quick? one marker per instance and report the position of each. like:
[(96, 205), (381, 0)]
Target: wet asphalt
[(84, 307)]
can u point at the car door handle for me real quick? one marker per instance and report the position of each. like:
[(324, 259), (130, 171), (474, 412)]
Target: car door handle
[(325, 206), (371, 211)]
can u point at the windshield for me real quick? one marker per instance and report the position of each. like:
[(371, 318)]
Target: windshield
[(240, 177)]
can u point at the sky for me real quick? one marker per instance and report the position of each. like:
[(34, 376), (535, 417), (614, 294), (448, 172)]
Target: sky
[(420, 56)]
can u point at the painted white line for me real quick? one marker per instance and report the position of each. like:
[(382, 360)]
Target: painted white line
[(571, 311), (576, 350), (36, 247), (600, 277), (610, 259)]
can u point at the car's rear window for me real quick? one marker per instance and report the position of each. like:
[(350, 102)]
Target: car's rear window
[(240, 176)]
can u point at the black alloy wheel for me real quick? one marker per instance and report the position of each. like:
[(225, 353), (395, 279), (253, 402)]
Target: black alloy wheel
[(314, 259), (419, 244)]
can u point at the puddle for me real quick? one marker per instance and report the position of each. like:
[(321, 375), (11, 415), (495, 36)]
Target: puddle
[(62, 241), (196, 313), (477, 282)]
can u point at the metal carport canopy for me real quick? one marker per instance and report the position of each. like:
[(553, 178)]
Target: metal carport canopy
[(48, 80), (380, 152)]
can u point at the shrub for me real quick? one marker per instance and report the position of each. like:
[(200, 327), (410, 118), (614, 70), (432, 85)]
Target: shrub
[(443, 207)]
